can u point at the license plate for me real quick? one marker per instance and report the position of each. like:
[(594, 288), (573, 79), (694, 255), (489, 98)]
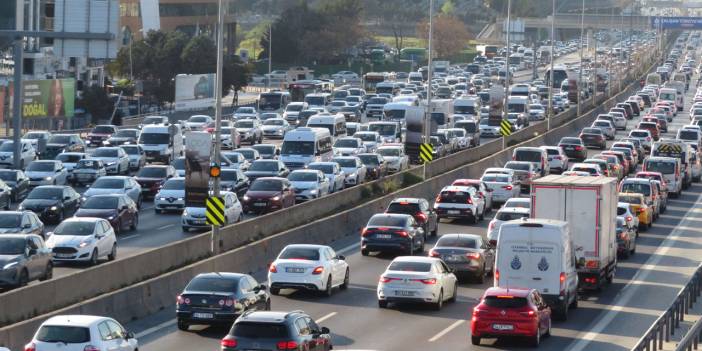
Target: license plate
[(203, 315), (260, 204), (454, 212), (453, 258), (404, 293), (383, 236), (63, 255), (569, 148), (199, 222), (502, 327), (295, 270)]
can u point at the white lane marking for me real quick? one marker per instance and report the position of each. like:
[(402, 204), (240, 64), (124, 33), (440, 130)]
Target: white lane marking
[(349, 248), (154, 329), (165, 227), (628, 294), (445, 331), (129, 236), (324, 318)]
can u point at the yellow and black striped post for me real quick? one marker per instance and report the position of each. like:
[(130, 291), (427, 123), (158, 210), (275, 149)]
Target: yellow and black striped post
[(214, 211), (505, 128), (426, 152)]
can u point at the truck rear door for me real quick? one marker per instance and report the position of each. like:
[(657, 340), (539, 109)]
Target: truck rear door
[(582, 209)]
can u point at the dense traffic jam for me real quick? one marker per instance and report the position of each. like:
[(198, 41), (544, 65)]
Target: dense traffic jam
[(90, 190)]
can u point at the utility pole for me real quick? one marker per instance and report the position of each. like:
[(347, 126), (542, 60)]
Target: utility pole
[(594, 63), (509, 30), (270, 53), (430, 73), (17, 103), (216, 239), (550, 85), (582, 46)]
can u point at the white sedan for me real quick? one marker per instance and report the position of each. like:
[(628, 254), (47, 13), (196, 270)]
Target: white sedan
[(353, 167), (417, 279), (308, 267), (333, 172)]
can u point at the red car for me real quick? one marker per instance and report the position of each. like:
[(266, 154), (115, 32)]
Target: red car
[(268, 194), (511, 312)]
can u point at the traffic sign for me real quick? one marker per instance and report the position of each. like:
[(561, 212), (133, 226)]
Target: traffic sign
[(214, 211), (670, 148), (505, 128), (426, 152), (215, 170)]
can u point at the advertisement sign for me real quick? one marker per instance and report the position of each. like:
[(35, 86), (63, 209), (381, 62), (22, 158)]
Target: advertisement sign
[(198, 146), (194, 91), (676, 22), (48, 98)]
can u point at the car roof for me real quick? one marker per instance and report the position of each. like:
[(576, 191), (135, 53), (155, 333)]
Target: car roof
[(514, 210), (636, 180), (16, 236), (416, 259), (74, 320), (265, 316), (307, 246), (460, 235), (82, 219), (225, 275), (516, 292), (413, 200)]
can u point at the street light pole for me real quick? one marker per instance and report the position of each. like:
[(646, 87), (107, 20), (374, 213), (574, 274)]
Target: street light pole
[(506, 97), (550, 85), (582, 46), (270, 52), (216, 239), (430, 73)]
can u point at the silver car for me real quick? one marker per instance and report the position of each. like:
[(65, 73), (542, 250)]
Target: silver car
[(606, 127), (137, 156), (115, 185), (87, 171)]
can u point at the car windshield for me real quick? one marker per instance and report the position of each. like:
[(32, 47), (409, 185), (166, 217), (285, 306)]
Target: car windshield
[(389, 152), (8, 176), (527, 155), (383, 129), (365, 136), (266, 185), (273, 122), (8, 146), (69, 158), (126, 133), (639, 188), (457, 241), (40, 167), (221, 285), (107, 183), (371, 160), (103, 130), (152, 172), (198, 119), (101, 203), (248, 154), (152, 120), (78, 228), (688, 135), (635, 200), (105, 153), (265, 149), (508, 216), (174, 184), (31, 135), (302, 177), (260, 330), (10, 220), (639, 134), (88, 164), (45, 194), (294, 108), (154, 138), (245, 110), (622, 211), (454, 196), (405, 266), (346, 162), (131, 150), (404, 208), (592, 131), (63, 334), (575, 141), (387, 221), (300, 253), (505, 301), (495, 178), (264, 166), (60, 139), (229, 175), (346, 143), (244, 123), (297, 148), (326, 169)]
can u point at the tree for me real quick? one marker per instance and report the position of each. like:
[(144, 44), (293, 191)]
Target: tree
[(97, 103), (448, 8), (395, 16), (199, 55), (450, 35)]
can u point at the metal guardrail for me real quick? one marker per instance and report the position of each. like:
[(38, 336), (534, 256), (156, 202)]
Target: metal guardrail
[(692, 338), (665, 325)]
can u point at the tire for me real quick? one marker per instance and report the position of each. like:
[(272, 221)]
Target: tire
[(275, 291), (93, 258), (139, 200), (562, 313), (475, 340), (474, 219), (23, 279), (183, 325), (347, 278), (49, 273), (411, 249), (113, 253), (364, 252), (574, 304), (436, 229), (157, 211), (454, 297), (480, 279), (536, 339), (633, 250), (328, 290), (382, 304), (440, 302), (62, 216)]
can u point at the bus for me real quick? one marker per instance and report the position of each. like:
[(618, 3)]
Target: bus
[(371, 79), (298, 90), (517, 60), (377, 56), (559, 75), (274, 101), (413, 54), (490, 51)]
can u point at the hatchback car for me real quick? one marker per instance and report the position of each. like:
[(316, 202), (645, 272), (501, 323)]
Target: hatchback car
[(234, 180), (392, 232), (466, 254), (460, 202), (85, 240), (137, 156), (626, 238), (21, 222), (171, 196), (118, 209), (87, 171), (315, 268), (195, 217), (82, 332), (409, 279), (574, 148), (268, 194), (219, 298), (593, 137), (376, 166), (308, 184), (115, 185), (266, 168), (52, 203), (353, 168), (503, 186), (640, 208), (333, 172), (503, 215), (152, 177), (46, 172), (23, 258)]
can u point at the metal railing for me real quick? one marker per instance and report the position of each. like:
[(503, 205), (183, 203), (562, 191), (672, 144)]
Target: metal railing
[(665, 325)]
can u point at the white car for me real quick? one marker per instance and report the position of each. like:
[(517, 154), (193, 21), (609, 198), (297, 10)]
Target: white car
[(245, 113), (348, 146), (171, 196), (230, 138), (46, 172), (115, 159), (371, 140), (395, 157), (462, 139), (237, 160), (7, 149), (336, 106), (308, 184), (503, 215), (417, 279), (198, 122), (625, 211), (34, 136), (644, 137), (137, 156), (557, 159), (345, 75), (522, 202), (353, 167), (503, 186), (83, 239), (82, 332), (333, 172), (194, 217), (308, 267), (275, 128), (70, 159), (619, 119)]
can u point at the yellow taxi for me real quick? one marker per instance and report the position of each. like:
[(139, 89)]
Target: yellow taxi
[(642, 210)]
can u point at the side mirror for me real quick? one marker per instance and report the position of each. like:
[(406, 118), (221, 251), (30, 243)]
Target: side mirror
[(31, 252), (66, 198), (325, 330), (341, 257), (130, 335)]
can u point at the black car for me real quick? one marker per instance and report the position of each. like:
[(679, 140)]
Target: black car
[(376, 166), (23, 258), (17, 181), (151, 178), (59, 143), (260, 330), (392, 232), (593, 137), (267, 168), (52, 203), (419, 209), (234, 180), (267, 151), (220, 298)]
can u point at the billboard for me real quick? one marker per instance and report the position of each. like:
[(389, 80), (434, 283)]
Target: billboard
[(676, 22), (198, 146), (194, 91), (86, 16), (48, 98)]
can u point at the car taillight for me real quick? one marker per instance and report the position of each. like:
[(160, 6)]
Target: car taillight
[(507, 187), (578, 148), (438, 198), (497, 277), (469, 201), (91, 348), (387, 279), (402, 233), (272, 269), (529, 313), (622, 236), (287, 345), (476, 311), (182, 300), (629, 218), (473, 255), (648, 138), (641, 210), (562, 279), (421, 217), (30, 347), (227, 302), (318, 270), (433, 253), (429, 281), (228, 341)]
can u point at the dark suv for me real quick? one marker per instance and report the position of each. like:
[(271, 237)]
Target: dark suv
[(261, 330), (419, 209)]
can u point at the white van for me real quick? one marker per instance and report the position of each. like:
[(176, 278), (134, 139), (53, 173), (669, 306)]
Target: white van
[(335, 123), (304, 145), (161, 143), (415, 77), (538, 254), (674, 93), (318, 100), (467, 106)]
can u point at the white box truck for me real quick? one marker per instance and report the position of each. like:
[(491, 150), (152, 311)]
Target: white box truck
[(589, 205)]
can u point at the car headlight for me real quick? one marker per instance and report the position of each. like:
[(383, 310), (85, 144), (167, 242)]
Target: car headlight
[(276, 198), (162, 198), (111, 163), (83, 198), (110, 218), (246, 198), (185, 213), (47, 178), (84, 244), (353, 175), (10, 265), (54, 208), (180, 199), (314, 191), (20, 208)]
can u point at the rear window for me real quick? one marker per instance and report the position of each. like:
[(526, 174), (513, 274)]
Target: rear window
[(552, 152), (299, 253), (260, 330), (495, 178), (407, 208), (530, 156), (509, 216), (621, 211), (387, 221), (660, 166), (644, 189), (518, 166), (630, 199), (688, 135), (467, 243), (455, 197), (63, 334), (410, 266), (505, 301), (213, 285)]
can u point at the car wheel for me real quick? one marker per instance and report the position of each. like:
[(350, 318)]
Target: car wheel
[(183, 325), (364, 252), (23, 278), (347, 278), (94, 258), (49, 273), (139, 201), (275, 291), (480, 278), (113, 253), (633, 249), (475, 340), (328, 290), (382, 304), (118, 227), (474, 219), (61, 217), (574, 304), (440, 302)]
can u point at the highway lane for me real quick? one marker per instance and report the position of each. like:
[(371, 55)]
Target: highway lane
[(611, 320)]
